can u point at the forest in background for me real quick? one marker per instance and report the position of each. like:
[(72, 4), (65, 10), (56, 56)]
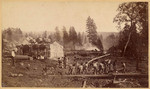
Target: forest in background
[(132, 39), (16, 36), (131, 43)]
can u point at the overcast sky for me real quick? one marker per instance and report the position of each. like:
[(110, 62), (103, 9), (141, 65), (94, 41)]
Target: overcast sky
[(41, 16)]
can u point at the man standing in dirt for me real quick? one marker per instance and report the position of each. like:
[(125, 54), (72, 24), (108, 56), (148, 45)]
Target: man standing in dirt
[(124, 67), (114, 65), (77, 68), (109, 65), (85, 67), (74, 69), (59, 62), (96, 69), (64, 61), (105, 62), (81, 68), (101, 65), (13, 57), (70, 68)]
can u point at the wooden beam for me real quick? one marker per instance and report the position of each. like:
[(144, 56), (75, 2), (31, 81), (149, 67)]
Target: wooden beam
[(22, 57), (106, 76)]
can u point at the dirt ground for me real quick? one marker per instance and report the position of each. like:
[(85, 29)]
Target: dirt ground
[(30, 73)]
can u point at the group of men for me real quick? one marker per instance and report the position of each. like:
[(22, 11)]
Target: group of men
[(62, 62), (108, 66), (103, 67)]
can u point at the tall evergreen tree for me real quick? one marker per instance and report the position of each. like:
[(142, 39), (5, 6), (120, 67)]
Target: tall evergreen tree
[(73, 36), (45, 34), (57, 35), (65, 36), (92, 34), (79, 39), (91, 30)]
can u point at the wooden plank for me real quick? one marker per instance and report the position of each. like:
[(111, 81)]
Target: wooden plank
[(84, 83), (106, 76)]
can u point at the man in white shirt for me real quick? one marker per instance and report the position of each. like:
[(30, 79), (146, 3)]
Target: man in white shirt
[(124, 67), (13, 56), (102, 67), (81, 68), (96, 69)]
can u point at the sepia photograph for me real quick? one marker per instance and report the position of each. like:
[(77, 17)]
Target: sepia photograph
[(74, 44)]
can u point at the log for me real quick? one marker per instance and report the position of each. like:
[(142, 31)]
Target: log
[(22, 57), (98, 58), (106, 76)]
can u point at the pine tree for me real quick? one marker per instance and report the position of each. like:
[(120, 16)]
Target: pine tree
[(91, 30), (73, 36), (79, 39), (65, 36), (92, 34), (57, 35)]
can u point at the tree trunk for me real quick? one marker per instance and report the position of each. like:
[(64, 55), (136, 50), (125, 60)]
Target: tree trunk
[(125, 47)]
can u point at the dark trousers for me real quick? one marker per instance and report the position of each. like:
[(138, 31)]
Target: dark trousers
[(13, 61)]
